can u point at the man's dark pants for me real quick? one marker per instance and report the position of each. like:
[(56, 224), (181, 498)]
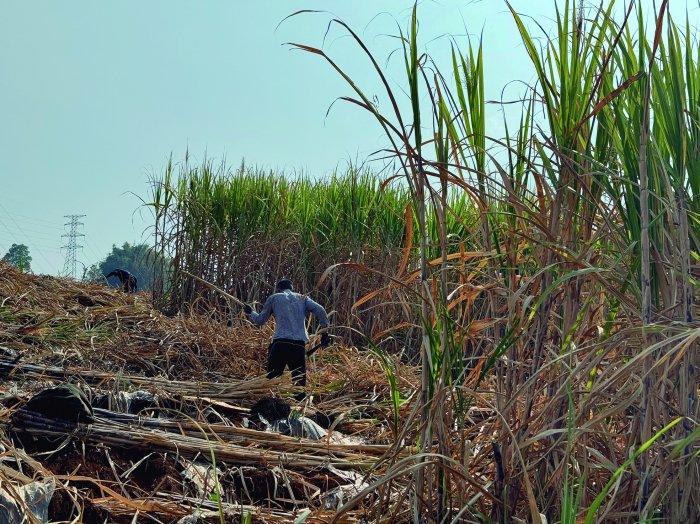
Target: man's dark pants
[(284, 353)]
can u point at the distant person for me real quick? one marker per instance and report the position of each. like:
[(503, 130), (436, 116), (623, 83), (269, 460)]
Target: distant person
[(290, 337), (126, 279)]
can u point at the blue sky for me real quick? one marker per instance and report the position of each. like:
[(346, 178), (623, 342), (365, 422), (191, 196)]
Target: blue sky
[(95, 96)]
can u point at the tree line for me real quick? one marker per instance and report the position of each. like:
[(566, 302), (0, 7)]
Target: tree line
[(137, 259)]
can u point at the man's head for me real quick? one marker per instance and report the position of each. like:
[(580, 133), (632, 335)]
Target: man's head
[(284, 285)]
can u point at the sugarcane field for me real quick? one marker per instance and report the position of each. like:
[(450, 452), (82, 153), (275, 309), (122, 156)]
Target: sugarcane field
[(312, 261)]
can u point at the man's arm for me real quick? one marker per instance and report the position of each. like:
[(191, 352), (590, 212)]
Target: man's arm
[(260, 318), (318, 311)]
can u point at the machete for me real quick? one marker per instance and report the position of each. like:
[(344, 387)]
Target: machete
[(214, 287), (313, 350)]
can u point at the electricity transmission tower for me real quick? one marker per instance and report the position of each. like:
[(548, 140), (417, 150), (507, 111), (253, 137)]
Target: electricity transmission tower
[(72, 246)]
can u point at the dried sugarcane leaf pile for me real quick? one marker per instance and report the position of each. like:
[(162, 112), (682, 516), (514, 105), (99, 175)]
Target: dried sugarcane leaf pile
[(201, 376)]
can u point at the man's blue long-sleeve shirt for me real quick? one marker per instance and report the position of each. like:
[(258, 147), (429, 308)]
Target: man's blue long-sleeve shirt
[(289, 310)]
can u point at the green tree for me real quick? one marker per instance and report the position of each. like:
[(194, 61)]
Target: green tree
[(93, 274), (137, 259), (18, 256)]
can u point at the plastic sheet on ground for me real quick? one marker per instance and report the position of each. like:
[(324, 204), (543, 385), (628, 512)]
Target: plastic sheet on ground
[(127, 402), (302, 427), (35, 498), (201, 476), (335, 498)]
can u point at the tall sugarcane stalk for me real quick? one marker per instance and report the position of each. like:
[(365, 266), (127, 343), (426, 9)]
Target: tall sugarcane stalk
[(574, 235)]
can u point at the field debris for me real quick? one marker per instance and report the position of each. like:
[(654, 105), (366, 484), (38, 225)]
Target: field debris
[(32, 498), (114, 412)]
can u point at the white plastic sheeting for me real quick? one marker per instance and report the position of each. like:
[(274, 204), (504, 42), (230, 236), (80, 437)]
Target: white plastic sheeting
[(34, 498)]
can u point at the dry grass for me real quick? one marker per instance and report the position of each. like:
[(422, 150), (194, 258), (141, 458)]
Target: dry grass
[(349, 386), (205, 374)]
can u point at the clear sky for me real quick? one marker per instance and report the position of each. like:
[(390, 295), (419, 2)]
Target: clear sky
[(95, 96)]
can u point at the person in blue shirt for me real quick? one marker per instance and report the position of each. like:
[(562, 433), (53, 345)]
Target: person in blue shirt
[(288, 348)]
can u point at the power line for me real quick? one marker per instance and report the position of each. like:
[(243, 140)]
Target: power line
[(9, 231), (37, 232), (93, 251), (38, 222), (18, 241), (31, 245), (72, 246), (31, 241), (34, 237), (23, 233)]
